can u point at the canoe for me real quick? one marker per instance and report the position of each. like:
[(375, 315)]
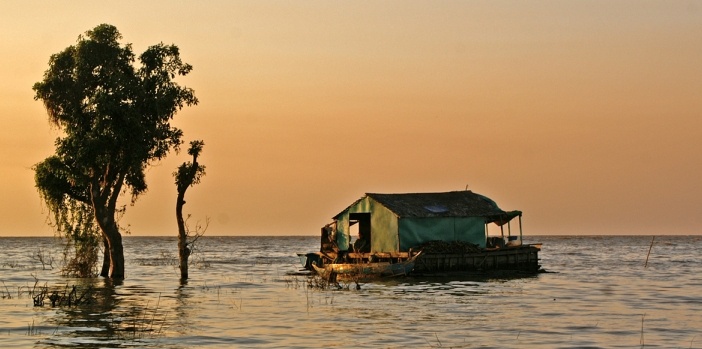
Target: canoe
[(354, 271)]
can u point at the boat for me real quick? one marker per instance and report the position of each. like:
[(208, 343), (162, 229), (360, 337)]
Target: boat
[(363, 271), (449, 228)]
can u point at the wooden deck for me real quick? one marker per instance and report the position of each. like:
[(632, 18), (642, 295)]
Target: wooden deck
[(522, 258), (517, 258)]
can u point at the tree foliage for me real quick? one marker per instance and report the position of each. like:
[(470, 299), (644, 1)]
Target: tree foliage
[(115, 120), (190, 173)]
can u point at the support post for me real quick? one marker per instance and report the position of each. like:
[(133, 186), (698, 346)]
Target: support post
[(520, 227), (509, 229)]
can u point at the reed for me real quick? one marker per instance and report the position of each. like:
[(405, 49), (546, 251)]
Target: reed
[(439, 344), (153, 317), (641, 340), (45, 259), (165, 258), (312, 283), (238, 306), (32, 330), (143, 324), (7, 294), (292, 282), (12, 265), (67, 296)]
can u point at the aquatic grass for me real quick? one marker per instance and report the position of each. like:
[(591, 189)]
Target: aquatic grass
[(437, 340), (422, 312), (312, 283), (43, 258), (165, 258), (32, 330), (222, 294), (641, 340), (153, 316), (7, 294), (238, 306), (57, 296), (439, 344), (32, 291), (198, 260), (12, 265), (142, 323), (291, 282), (317, 282)]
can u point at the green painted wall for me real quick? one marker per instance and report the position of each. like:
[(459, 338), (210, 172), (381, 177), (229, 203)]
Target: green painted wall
[(383, 226), (342, 231), (383, 229)]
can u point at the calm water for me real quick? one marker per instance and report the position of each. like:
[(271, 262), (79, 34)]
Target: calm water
[(240, 295)]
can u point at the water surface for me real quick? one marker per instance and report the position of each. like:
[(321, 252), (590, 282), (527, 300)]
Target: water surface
[(599, 294)]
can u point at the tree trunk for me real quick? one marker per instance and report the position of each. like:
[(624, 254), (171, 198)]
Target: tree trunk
[(114, 246), (183, 250), (116, 255), (187, 175), (105, 271)]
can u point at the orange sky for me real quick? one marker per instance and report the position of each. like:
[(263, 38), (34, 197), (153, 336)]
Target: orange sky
[(586, 115)]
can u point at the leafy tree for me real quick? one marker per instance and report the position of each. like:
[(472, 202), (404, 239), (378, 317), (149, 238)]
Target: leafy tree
[(115, 120), (188, 174)]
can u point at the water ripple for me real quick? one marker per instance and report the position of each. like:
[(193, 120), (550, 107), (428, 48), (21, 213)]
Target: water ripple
[(241, 295)]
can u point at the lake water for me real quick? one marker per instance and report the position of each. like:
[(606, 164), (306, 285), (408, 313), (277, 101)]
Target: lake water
[(599, 293)]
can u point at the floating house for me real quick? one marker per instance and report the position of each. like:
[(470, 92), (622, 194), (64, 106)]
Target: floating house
[(450, 228)]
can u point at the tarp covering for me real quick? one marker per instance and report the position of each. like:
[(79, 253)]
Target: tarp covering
[(416, 231), (503, 218)]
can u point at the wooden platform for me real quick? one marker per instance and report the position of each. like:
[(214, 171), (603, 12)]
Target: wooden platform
[(522, 258)]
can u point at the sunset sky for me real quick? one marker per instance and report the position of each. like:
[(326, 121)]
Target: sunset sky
[(586, 115)]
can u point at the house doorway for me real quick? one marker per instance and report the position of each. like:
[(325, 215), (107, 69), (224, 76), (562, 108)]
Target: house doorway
[(360, 226)]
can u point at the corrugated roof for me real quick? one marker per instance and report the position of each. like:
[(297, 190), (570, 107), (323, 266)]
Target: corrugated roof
[(455, 203), (448, 204)]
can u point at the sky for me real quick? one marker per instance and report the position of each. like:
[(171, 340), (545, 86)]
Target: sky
[(585, 115)]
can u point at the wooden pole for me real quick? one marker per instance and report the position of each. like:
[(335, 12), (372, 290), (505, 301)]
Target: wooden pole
[(649, 251), (520, 228), (509, 229), (485, 230)]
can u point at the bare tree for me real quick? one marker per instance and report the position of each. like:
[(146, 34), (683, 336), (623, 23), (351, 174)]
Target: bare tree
[(188, 174)]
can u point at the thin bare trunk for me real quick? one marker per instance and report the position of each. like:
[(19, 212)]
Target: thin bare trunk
[(183, 250), (187, 175)]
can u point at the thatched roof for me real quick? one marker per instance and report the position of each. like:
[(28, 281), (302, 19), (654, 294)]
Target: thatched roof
[(449, 204)]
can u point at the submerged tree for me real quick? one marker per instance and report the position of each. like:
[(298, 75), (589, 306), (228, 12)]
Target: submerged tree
[(188, 174), (115, 121)]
